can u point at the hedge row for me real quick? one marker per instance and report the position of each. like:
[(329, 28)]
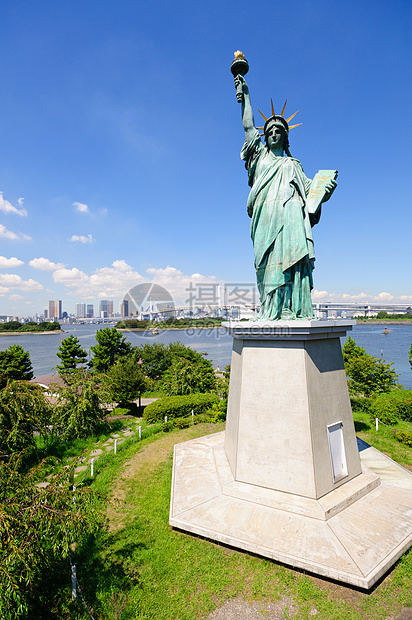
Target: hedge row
[(389, 408), (178, 406)]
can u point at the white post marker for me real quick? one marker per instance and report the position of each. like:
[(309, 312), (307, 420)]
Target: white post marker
[(140, 432), (193, 416), (74, 582), (74, 497), (115, 446), (92, 467), (377, 423), (165, 418)]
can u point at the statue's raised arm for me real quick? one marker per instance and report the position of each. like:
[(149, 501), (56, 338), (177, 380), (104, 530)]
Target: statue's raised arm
[(243, 97), (281, 226)]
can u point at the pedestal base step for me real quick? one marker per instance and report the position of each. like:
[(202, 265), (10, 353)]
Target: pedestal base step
[(353, 534)]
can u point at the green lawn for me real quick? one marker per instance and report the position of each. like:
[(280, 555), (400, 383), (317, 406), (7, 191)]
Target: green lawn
[(137, 567), (383, 439)]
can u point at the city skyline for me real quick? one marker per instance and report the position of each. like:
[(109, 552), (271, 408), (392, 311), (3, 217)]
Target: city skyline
[(120, 162)]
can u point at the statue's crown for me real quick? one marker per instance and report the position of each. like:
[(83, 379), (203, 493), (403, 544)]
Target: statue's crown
[(278, 119)]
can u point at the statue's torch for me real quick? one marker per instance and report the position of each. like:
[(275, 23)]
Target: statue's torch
[(239, 66)]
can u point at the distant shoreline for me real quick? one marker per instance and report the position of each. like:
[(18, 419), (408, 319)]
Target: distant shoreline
[(384, 321), (165, 329), (55, 331)]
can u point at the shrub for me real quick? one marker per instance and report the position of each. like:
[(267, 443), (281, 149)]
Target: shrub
[(178, 406), (167, 427), (121, 411), (403, 400), (182, 423), (391, 407), (361, 404), (404, 437), (385, 408), (219, 411), (203, 418)]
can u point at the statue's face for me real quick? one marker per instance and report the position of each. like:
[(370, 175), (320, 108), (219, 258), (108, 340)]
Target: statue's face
[(275, 136)]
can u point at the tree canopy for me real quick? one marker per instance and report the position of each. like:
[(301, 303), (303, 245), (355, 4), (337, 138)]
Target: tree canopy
[(23, 410), (71, 354), (125, 380), (37, 527), (367, 374), (186, 376), (79, 408), (110, 347), (15, 363)]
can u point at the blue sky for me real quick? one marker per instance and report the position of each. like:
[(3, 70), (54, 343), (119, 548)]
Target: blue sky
[(120, 136)]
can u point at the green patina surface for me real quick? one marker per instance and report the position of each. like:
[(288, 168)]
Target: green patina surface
[(281, 227)]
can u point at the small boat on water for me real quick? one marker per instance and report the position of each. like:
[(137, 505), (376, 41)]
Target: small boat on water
[(386, 331), (204, 353)]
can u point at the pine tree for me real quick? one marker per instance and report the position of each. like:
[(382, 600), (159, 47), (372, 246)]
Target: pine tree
[(71, 354), (15, 363), (110, 347)]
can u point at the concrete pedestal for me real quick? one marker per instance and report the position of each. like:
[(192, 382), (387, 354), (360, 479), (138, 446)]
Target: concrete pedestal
[(286, 479), (288, 389)]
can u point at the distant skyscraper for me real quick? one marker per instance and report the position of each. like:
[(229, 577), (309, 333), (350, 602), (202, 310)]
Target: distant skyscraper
[(90, 311), (124, 307), (55, 309), (81, 310), (105, 308)]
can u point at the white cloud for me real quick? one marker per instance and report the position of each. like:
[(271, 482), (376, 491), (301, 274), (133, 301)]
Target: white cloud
[(324, 296), (181, 285), (70, 277), (82, 238), (8, 234), (16, 297), (112, 282), (7, 207), (81, 207), (44, 264), (115, 281), (385, 296), (13, 281), (319, 295), (10, 262)]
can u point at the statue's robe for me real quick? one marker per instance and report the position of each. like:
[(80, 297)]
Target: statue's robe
[(281, 232)]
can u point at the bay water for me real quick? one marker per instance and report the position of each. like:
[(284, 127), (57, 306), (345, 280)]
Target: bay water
[(392, 347)]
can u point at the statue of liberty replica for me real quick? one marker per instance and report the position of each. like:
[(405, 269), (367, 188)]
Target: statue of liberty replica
[(284, 206), (286, 479)]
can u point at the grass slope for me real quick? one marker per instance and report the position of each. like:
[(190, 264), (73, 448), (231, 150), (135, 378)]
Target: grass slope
[(139, 568)]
